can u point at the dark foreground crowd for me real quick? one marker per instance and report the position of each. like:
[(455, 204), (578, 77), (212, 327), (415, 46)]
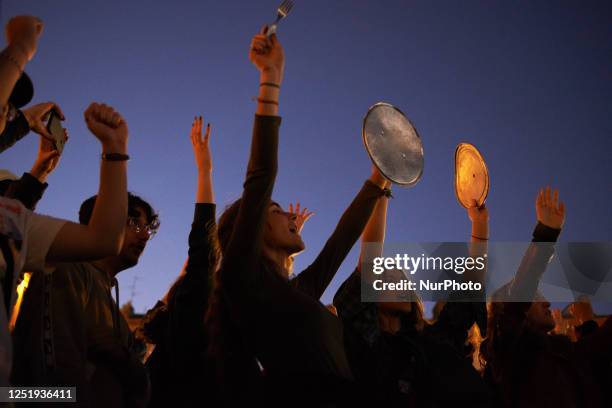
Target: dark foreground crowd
[(238, 327)]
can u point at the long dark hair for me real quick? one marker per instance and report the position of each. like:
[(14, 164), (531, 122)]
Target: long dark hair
[(227, 351), (217, 316)]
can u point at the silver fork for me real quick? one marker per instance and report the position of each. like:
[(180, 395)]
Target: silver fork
[(282, 12)]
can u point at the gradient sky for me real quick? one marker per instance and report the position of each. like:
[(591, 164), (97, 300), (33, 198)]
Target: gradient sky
[(529, 83)]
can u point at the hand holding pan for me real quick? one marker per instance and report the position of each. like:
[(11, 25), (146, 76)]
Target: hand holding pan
[(471, 176), (393, 144)]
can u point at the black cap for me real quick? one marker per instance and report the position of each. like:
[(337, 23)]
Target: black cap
[(22, 92)]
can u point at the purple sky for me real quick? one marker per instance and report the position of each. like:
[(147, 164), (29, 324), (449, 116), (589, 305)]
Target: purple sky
[(529, 83)]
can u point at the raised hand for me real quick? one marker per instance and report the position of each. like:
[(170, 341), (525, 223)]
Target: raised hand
[(549, 210), (266, 53), (300, 216), (108, 126), (478, 214), (377, 178), (480, 220), (23, 32), (37, 115), (46, 161), (201, 149)]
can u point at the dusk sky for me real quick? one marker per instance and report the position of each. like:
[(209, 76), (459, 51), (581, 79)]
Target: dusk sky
[(529, 83)]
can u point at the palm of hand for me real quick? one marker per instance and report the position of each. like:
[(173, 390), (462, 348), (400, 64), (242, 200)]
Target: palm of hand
[(549, 210), (300, 216), (201, 150)]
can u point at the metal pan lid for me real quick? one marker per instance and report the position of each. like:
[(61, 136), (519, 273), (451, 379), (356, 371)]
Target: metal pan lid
[(471, 176), (393, 144)]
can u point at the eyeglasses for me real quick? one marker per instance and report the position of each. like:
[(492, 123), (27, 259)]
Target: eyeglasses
[(150, 229)]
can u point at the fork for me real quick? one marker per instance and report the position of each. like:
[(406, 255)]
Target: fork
[(282, 12)]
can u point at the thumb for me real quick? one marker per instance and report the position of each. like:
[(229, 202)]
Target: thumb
[(273, 39), (49, 156), (45, 133), (96, 125)]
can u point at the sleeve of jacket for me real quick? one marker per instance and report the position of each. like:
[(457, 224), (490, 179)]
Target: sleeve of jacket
[(14, 131), (239, 267), (316, 277), (525, 284), (188, 306), (28, 190), (361, 317)]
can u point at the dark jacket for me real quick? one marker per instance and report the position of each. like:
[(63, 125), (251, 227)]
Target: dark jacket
[(177, 365), (28, 190), (550, 370), (408, 368), (295, 338), (14, 131), (535, 369)]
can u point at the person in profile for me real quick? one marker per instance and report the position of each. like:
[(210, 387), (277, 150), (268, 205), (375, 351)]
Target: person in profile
[(70, 331), (528, 366), (292, 339)]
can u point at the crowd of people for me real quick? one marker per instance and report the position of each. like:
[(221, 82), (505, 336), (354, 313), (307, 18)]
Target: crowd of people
[(239, 326)]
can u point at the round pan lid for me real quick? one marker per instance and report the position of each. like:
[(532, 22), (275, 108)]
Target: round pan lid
[(393, 144), (471, 176)]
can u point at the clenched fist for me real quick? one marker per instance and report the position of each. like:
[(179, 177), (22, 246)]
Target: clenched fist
[(23, 33), (108, 126), (267, 54)]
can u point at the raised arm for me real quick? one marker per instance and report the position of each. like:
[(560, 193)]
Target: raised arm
[(201, 153), (188, 306), (31, 186), (522, 290), (373, 237), (315, 279), (362, 317), (458, 314), (22, 35), (103, 236), (550, 214), (245, 243)]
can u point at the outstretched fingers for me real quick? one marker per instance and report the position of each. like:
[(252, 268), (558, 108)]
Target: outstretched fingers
[(207, 132)]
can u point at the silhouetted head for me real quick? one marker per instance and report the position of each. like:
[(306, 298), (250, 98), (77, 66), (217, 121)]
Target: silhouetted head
[(281, 234), (142, 224)]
